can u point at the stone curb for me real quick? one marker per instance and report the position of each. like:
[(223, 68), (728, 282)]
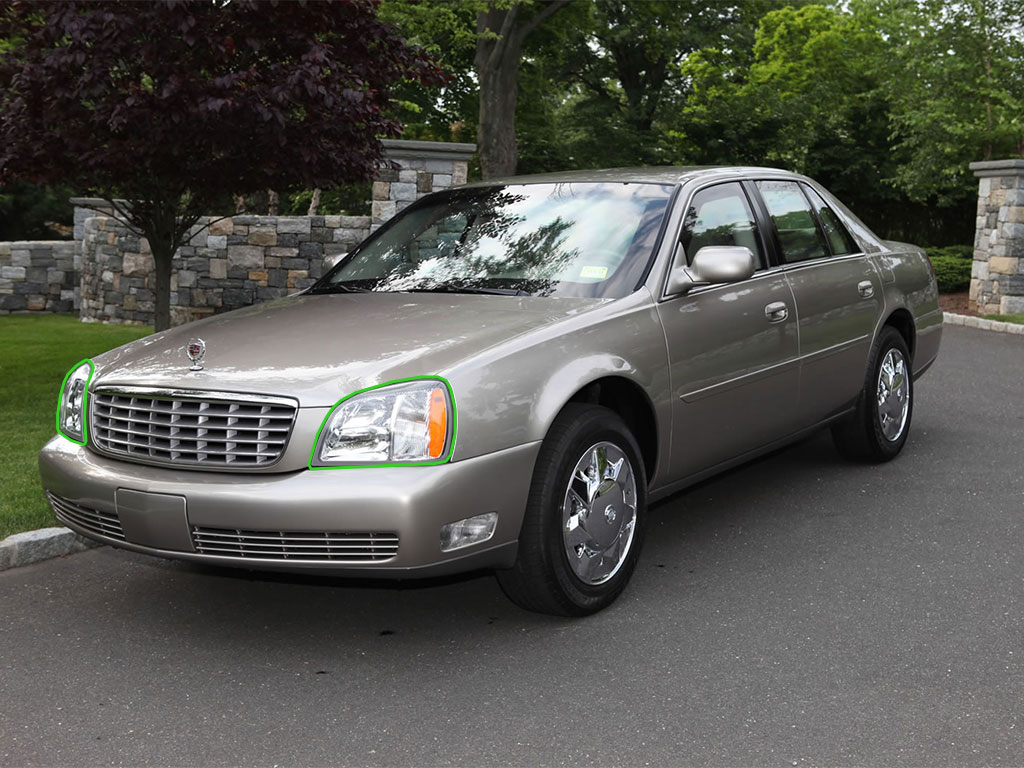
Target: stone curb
[(951, 318), (33, 546)]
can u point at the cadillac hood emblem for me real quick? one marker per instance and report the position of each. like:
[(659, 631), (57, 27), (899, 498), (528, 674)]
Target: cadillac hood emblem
[(196, 351)]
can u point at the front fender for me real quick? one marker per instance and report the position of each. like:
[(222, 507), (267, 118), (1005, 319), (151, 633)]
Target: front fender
[(511, 394)]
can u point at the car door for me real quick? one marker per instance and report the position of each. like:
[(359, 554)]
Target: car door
[(732, 348), (838, 295)]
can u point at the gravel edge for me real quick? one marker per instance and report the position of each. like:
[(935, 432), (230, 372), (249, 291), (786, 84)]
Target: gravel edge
[(970, 321), (34, 546)]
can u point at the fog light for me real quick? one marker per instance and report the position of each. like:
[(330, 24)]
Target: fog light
[(472, 530)]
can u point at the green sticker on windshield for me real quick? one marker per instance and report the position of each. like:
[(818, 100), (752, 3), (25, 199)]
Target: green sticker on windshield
[(596, 272)]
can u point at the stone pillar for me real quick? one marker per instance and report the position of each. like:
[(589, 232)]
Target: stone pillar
[(997, 277), (423, 166), (86, 208)]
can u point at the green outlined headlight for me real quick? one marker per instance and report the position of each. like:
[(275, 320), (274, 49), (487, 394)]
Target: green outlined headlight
[(407, 422), (72, 407)]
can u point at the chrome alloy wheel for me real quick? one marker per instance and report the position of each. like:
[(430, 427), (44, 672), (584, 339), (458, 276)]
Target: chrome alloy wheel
[(893, 395), (599, 513)]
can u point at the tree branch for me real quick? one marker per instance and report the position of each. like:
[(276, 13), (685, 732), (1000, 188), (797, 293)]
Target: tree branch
[(553, 7), (507, 25)]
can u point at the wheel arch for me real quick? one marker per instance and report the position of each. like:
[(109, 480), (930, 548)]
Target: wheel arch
[(903, 322), (630, 402)]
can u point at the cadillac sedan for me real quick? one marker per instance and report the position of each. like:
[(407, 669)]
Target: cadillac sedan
[(505, 377)]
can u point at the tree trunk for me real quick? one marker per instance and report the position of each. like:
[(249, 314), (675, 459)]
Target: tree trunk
[(163, 258), (497, 68), (158, 221), (499, 45), (273, 202), (314, 203)]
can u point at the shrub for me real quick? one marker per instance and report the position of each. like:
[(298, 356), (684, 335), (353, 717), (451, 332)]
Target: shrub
[(952, 267), (957, 251)]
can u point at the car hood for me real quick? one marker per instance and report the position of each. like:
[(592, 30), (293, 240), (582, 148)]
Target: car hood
[(319, 348)]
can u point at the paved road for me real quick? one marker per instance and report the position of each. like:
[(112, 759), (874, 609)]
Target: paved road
[(798, 611)]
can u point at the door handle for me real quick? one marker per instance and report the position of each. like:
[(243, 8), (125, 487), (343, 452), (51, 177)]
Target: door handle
[(776, 312), (866, 289)]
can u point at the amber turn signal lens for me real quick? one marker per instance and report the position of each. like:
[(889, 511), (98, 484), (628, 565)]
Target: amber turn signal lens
[(438, 424)]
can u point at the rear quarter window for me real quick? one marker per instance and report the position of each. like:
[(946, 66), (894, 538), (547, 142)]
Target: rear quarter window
[(839, 240), (796, 228)]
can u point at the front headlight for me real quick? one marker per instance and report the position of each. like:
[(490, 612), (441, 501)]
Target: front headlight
[(406, 422), (72, 405)]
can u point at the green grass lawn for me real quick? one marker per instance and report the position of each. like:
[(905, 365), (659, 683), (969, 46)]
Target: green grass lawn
[(35, 353), (1007, 318)]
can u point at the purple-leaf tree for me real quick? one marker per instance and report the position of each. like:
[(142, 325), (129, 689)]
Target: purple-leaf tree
[(163, 108)]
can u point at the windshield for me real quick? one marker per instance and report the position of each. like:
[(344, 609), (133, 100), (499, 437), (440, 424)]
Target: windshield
[(568, 239)]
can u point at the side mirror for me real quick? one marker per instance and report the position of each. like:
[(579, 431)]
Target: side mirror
[(713, 265)]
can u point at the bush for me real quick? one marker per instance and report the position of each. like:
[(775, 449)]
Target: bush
[(28, 211), (952, 267), (958, 251), (347, 199)]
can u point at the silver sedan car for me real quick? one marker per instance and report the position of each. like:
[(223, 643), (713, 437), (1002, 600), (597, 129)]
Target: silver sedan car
[(505, 377)]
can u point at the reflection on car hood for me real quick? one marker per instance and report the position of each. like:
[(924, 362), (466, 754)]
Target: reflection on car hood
[(321, 348)]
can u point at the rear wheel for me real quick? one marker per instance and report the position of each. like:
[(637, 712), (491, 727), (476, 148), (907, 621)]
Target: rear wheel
[(878, 429), (585, 516)]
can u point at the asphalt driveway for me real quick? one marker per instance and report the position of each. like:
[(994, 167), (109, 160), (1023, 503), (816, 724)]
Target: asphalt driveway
[(797, 611)]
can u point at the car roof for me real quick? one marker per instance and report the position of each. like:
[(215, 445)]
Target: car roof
[(651, 175)]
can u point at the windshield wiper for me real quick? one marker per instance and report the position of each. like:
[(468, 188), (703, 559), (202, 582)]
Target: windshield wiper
[(468, 289), (339, 288)]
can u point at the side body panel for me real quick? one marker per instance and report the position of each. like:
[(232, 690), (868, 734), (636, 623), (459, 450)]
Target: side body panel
[(735, 372), (913, 288), (839, 301)]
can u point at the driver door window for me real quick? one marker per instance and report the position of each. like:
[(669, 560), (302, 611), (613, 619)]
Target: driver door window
[(721, 215)]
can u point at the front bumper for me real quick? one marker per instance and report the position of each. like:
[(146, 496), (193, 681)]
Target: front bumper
[(161, 511)]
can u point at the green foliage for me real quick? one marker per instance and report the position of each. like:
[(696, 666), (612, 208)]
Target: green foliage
[(952, 252), (952, 74), (347, 199), (952, 266), (446, 31), (35, 354), (25, 209), (808, 102)]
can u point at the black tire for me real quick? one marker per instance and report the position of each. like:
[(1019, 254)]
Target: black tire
[(543, 579), (868, 435)]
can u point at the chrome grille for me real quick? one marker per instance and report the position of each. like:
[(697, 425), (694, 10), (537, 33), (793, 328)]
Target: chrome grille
[(304, 546), (197, 429), (93, 520)]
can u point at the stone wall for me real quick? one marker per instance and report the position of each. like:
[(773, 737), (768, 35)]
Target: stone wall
[(229, 263), (997, 277), (107, 272), (243, 260), (39, 276)]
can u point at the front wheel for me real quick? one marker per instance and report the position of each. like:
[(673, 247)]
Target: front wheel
[(585, 516), (878, 429)]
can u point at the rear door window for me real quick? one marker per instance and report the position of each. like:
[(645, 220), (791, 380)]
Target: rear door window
[(838, 238), (796, 228)]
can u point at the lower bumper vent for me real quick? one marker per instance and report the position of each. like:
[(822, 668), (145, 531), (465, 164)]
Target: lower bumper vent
[(92, 520), (295, 546)]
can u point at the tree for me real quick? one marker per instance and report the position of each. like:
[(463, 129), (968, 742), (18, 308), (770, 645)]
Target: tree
[(816, 96), (480, 44), (501, 31), (628, 66), (163, 108), (955, 78)]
